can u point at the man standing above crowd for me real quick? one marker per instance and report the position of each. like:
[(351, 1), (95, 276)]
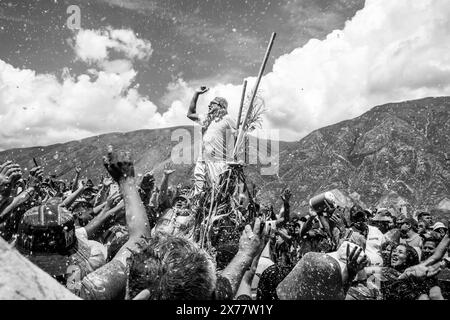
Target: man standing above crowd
[(217, 131)]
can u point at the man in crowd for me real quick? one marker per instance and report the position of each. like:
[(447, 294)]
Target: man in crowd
[(408, 234)]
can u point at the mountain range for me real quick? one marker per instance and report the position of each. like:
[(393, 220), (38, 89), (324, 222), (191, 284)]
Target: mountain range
[(397, 154)]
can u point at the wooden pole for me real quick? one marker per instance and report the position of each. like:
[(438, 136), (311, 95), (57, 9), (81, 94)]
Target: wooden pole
[(255, 90), (244, 88)]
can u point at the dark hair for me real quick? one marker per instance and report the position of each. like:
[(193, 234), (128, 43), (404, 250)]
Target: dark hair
[(172, 268), (422, 214), (412, 257)]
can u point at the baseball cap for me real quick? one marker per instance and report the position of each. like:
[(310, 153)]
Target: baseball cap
[(438, 225), (383, 216)]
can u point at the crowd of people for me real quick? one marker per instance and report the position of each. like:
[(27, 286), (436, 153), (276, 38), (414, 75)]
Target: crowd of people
[(129, 238)]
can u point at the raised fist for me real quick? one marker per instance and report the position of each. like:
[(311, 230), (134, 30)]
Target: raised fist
[(286, 195), (202, 90), (119, 164)]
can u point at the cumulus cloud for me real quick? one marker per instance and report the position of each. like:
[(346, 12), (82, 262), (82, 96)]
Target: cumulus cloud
[(96, 45), (40, 109), (389, 51)]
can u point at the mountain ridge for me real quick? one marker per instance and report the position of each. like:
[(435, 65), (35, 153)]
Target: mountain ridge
[(396, 148)]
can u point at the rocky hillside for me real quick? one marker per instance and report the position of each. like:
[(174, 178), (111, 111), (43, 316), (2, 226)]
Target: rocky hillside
[(397, 153)]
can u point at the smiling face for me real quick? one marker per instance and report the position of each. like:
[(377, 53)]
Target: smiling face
[(398, 256), (428, 249)]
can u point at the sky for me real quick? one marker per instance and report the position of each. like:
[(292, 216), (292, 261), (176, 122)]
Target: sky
[(135, 64)]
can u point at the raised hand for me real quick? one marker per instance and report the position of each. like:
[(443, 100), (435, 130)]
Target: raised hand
[(168, 169), (10, 173), (337, 221), (36, 177), (286, 195), (250, 240), (202, 90), (148, 181), (107, 182), (77, 170), (356, 261), (113, 200), (119, 165)]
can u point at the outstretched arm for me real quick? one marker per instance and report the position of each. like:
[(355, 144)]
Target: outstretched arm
[(73, 196), (192, 112), (121, 168), (432, 265)]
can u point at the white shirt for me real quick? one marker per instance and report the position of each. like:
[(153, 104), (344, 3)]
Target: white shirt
[(217, 139), (373, 246)]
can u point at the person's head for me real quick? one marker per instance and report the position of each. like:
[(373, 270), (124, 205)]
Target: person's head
[(89, 183), (172, 268), (82, 212), (422, 227), (88, 194), (181, 202), (358, 218), (407, 226), (382, 222), (425, 216), (297, 228), (440, 228), (429, 245), (218, 105), (403, 256)]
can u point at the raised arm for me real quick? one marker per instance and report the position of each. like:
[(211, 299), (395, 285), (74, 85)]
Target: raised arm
[(284, 215), (104, 191), (75, 180), (192, 111), (121, 168), (107, 212), (249, 246), (163, 196), (73, 196)]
